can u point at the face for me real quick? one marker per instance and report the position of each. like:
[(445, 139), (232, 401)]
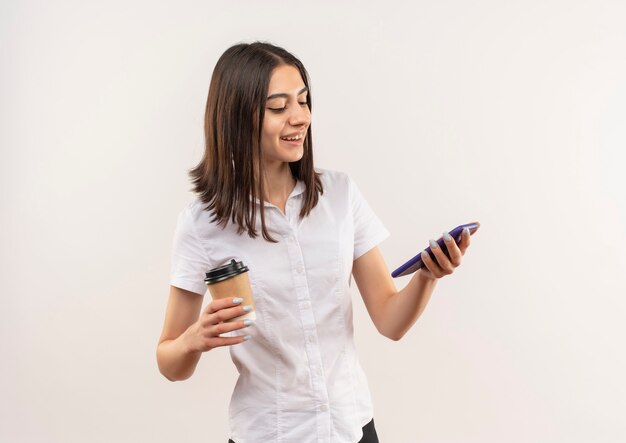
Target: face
[(286, 116)]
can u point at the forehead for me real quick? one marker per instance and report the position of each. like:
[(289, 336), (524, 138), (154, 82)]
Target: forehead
[(285, 78)]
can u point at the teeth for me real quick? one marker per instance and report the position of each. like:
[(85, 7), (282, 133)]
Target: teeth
[(297, 137)]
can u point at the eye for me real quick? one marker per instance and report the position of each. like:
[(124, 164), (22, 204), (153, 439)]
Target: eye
[(282, 109)]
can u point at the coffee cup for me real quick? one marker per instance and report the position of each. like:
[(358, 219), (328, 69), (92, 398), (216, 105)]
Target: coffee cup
[(231, 280)]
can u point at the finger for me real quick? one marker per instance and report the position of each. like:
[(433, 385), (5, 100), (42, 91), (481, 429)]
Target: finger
[(465, 240), (454, 253), (431, 265), (226, 314), (222, 303), (224, 327), (215, 342), (442, 260)]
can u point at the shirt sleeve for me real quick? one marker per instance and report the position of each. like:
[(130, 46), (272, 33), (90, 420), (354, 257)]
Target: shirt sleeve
[(189, 261), (369, 231)]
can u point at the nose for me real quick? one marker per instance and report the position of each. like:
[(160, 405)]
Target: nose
[(300, 115)]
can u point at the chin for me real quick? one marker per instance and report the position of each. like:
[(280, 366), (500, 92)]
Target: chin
[(293, 156)]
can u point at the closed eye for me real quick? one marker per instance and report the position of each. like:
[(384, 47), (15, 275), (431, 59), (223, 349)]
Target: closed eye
[(282, 109)]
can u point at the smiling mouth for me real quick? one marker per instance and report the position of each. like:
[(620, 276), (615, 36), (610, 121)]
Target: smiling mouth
[(297, 137)]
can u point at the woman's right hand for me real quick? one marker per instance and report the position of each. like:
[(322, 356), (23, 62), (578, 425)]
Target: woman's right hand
[(204, 334)]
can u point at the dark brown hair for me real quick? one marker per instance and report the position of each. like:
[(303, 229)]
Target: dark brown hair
[(233, 122)]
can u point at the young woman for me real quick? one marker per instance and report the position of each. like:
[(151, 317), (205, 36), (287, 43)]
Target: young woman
[(303, 232)]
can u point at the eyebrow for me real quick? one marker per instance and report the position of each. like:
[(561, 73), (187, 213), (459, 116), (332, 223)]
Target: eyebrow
[(282, 94)]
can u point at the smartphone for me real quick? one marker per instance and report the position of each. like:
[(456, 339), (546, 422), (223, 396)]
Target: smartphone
[(416, 262)]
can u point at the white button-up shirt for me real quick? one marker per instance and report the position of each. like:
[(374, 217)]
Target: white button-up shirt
[(299, 377)]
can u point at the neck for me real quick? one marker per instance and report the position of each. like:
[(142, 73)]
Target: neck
[(279, 182)]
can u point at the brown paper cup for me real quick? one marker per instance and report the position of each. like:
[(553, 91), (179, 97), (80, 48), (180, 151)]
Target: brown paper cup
[(230, 281)]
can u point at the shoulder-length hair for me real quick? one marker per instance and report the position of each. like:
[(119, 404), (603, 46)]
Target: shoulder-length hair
[(225, 177)]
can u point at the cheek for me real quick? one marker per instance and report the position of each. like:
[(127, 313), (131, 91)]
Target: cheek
[(270, 135), (272, 128)]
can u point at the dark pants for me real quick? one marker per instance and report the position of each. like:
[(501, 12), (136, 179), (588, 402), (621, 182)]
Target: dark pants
[(369, 434)]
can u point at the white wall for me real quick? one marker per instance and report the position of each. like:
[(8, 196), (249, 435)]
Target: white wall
[(510, 113)]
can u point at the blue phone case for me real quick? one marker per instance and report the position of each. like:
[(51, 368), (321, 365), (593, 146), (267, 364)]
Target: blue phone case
[(416, 262)]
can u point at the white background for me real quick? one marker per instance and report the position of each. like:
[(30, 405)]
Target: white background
[(510, 113)]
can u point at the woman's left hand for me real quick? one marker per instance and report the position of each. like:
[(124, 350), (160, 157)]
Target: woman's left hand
[(443, 265)]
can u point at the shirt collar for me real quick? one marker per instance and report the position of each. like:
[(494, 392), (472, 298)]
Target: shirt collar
[(297, 190)]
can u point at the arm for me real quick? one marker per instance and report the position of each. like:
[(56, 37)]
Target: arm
[(175, 359), (188, 331), (395, 312)]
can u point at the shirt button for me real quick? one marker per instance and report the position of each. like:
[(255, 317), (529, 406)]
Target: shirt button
[(299, 269), (311, 339), (323, 408)]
